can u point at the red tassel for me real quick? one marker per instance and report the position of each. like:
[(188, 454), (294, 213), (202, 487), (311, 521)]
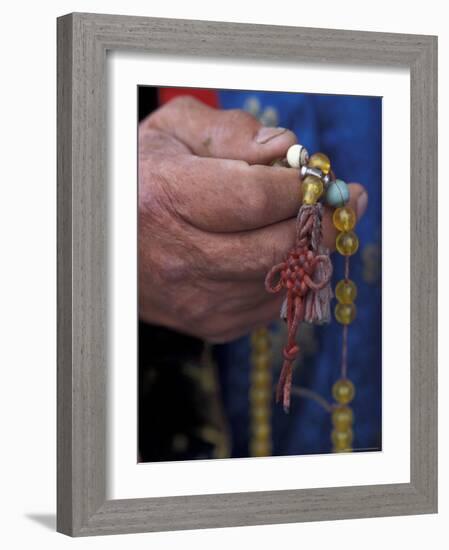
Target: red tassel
[(305, 274)]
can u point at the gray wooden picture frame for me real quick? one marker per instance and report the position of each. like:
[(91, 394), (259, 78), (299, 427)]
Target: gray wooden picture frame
[(83, 40)]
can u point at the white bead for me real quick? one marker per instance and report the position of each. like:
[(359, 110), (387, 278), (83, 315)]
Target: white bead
[(297, 156), (294, 156)]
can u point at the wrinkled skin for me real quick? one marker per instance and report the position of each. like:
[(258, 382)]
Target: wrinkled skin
[(214, 218)]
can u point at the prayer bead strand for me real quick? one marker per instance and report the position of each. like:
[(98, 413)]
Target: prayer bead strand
[(304, 275), (260, 394), (318, 179), (343, 391)]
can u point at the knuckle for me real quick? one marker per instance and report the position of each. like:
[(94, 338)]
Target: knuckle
[(182, 102), (175, 107)]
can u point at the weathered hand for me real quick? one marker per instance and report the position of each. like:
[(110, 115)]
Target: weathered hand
[(214, 218)]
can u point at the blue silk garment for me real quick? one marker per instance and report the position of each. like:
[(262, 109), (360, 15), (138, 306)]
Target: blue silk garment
[(348, 129)]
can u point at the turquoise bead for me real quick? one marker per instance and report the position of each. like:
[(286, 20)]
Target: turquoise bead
[(337, 194)]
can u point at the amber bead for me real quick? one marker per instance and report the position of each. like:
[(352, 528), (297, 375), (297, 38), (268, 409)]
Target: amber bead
[(261, 345), (260, 339), (347, 243), (312, 189), (320, 161), (260, 414), (261, 378), (344, 218), (260, 396), (345, 313), (261, 360), (261, 431), (346, 291), (343, 391), (342, 441), (261, 448), (342, 418)]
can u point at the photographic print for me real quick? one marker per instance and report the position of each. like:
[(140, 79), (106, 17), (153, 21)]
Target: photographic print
[(244, 266), (259, 273)]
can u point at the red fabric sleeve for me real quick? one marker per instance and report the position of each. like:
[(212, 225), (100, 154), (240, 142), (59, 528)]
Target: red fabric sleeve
[(209, 97)]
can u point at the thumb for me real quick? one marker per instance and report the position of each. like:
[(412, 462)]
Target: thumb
[(227, 134)]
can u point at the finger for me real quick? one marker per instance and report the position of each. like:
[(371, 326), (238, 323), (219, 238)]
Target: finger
[(228, 134), (224, 196)]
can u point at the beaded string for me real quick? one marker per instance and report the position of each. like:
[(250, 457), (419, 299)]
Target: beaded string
[(343, 391), (260, 394), (305, 275)]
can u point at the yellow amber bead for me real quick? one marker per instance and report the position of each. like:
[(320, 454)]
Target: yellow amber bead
[(342, 418), (260, 338), (347, 243), (260, 414), (320, 161), (260, 397), (342, 440), (346, 291), (344, 218), (345, 313), (261, 378), (261, 431), (343, 391), (312, 189), (261, 346), (348, 450), (261, 448), (261, 360)]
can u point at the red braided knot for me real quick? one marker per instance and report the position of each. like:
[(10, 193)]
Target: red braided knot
[(305, 274)]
